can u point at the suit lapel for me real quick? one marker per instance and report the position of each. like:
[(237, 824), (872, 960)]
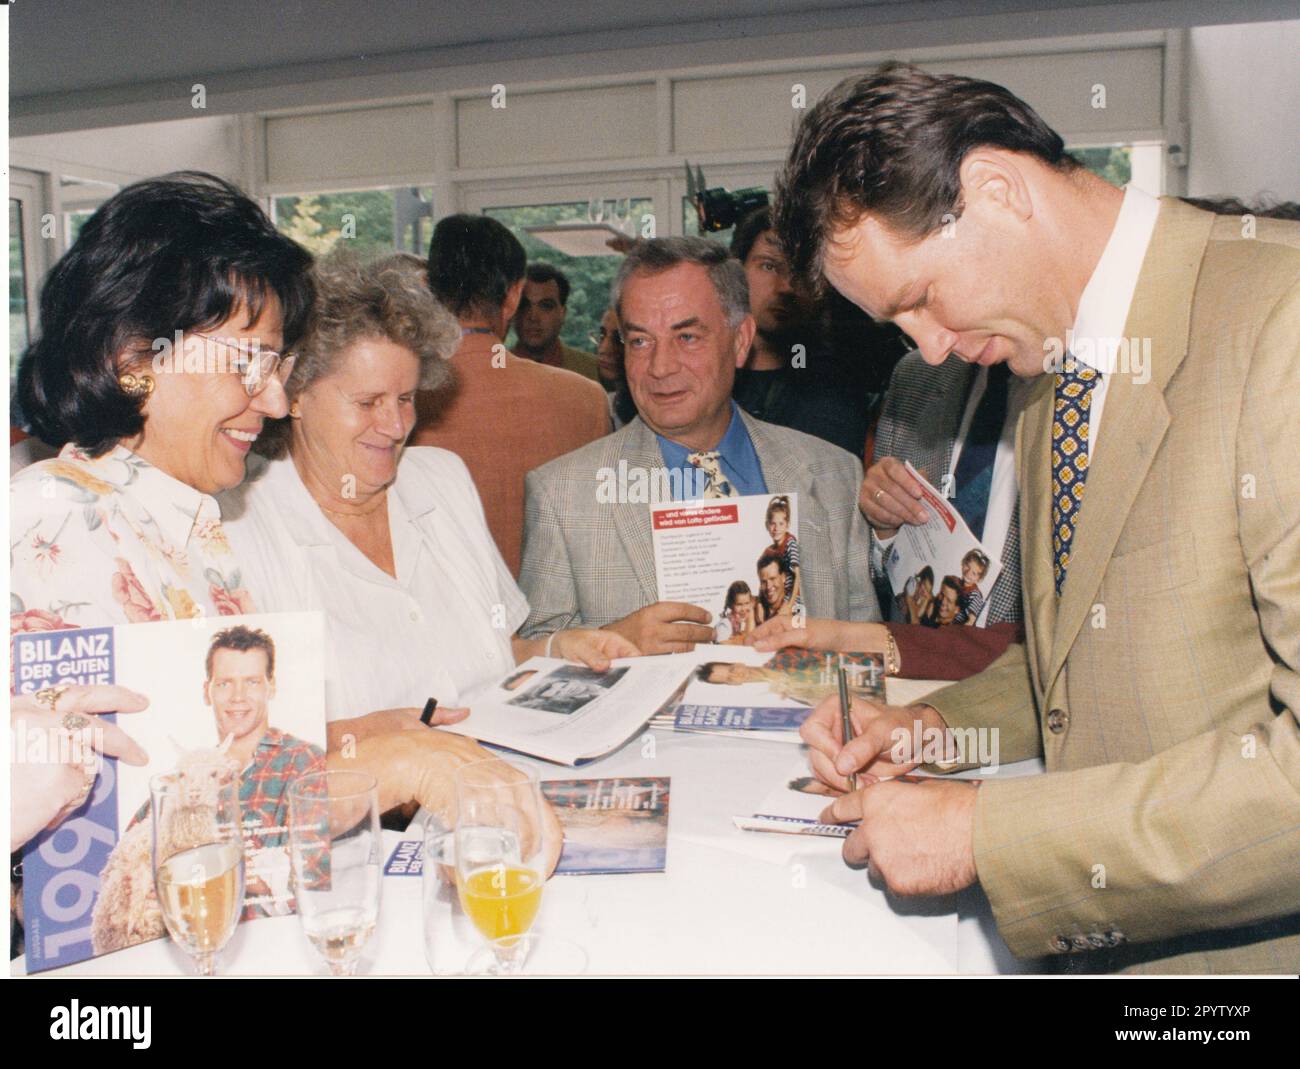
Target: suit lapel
[(1034, 450), (1135, 418), (632, 520)]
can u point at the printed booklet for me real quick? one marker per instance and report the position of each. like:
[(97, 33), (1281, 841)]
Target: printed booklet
[(739, 691), (940, 573), (736, 557), (241, 691), (611, 826)]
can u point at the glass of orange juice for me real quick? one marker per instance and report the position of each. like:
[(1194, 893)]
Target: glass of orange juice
[(500, 855)]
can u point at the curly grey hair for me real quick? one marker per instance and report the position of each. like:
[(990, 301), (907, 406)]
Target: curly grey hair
[(387, 298), (653, 255)]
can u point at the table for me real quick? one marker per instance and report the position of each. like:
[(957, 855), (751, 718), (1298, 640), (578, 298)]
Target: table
[(730, 902)]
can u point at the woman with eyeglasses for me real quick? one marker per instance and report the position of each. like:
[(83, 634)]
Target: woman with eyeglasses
[(158, 366)]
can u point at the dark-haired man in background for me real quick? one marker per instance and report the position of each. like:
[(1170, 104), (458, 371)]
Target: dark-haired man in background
[(1160, 680), (789, 377), (543, 307), (502, 415)]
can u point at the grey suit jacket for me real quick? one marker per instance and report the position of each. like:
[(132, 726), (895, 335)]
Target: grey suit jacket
[(919, 423), (589, 562)]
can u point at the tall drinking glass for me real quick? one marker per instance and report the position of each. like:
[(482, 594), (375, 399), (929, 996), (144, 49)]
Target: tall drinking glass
[(198, 860), (336, 848), (500, 854)]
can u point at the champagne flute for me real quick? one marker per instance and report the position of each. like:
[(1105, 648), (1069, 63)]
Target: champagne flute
[(335, 845), (198, 859), (500, 855)]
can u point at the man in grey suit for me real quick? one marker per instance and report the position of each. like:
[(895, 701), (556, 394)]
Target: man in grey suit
[(955, 423), (683, 309)]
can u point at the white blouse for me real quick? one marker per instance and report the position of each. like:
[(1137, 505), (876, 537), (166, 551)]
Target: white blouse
[(441, 627)]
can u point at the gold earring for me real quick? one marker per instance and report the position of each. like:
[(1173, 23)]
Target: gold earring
[(135, 385), (294, 411)]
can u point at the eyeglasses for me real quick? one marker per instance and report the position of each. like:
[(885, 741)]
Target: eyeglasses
[(255, 365)]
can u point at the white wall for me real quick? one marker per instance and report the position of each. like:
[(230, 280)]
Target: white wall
[(1243, 85)]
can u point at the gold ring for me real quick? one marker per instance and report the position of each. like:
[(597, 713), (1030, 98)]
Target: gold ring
[(87, 785), (74, 722), (50, 696), (879, 494)]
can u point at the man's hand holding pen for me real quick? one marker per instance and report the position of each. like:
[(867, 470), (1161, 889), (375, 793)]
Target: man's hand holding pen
[(918, 837)]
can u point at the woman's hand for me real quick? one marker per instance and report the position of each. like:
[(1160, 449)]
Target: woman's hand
[(53, 761), (593, 647), (385, 721), (420, 766), (803, 632)]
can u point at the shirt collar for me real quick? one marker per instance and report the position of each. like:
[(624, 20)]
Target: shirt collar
[(732, 440), (176, 507), (1104, 305), (408, 500)]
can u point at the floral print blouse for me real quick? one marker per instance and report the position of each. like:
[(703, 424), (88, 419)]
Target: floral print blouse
[(111, 540)]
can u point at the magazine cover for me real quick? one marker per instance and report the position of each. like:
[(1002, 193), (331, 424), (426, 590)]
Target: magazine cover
[(611, 825), (737, 557), (941, 573), (240, 690), (742, 691)]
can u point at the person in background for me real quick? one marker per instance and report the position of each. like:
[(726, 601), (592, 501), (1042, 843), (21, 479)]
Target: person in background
[(539, 321), (609, 355), (502, 415), (786, 378)]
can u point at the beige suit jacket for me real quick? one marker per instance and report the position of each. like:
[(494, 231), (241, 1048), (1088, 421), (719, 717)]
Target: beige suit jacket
[(1163, 689)]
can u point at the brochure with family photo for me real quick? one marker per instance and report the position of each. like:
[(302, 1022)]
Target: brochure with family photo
[(739, 691), (244, 692), (737, 557), (568, 713), (940, 573)]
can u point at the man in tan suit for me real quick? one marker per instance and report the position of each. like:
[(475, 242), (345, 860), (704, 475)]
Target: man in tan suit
[(1160, 497), (502, 415)]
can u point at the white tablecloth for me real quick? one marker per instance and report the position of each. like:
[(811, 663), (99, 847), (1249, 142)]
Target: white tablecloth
[(730, 901)]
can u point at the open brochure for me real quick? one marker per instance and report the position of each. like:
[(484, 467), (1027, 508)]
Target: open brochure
[(88, 885), (568, 713), (940, 572), (737, 557), (739, 691)]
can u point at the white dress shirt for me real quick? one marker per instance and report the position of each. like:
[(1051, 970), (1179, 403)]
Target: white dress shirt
[(442, 626), (1104, 305)]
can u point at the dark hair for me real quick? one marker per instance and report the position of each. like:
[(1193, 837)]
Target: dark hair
[(172, 253), (925, 575), (748, 231), (734, 591), (473, 261), (951, 582), (706, 669), (543, 272), (771, 556), (240, 639), (891, 143)]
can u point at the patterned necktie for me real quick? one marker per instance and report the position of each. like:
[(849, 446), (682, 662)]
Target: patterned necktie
[(715, 483), (974, 472), (1069, 458)]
